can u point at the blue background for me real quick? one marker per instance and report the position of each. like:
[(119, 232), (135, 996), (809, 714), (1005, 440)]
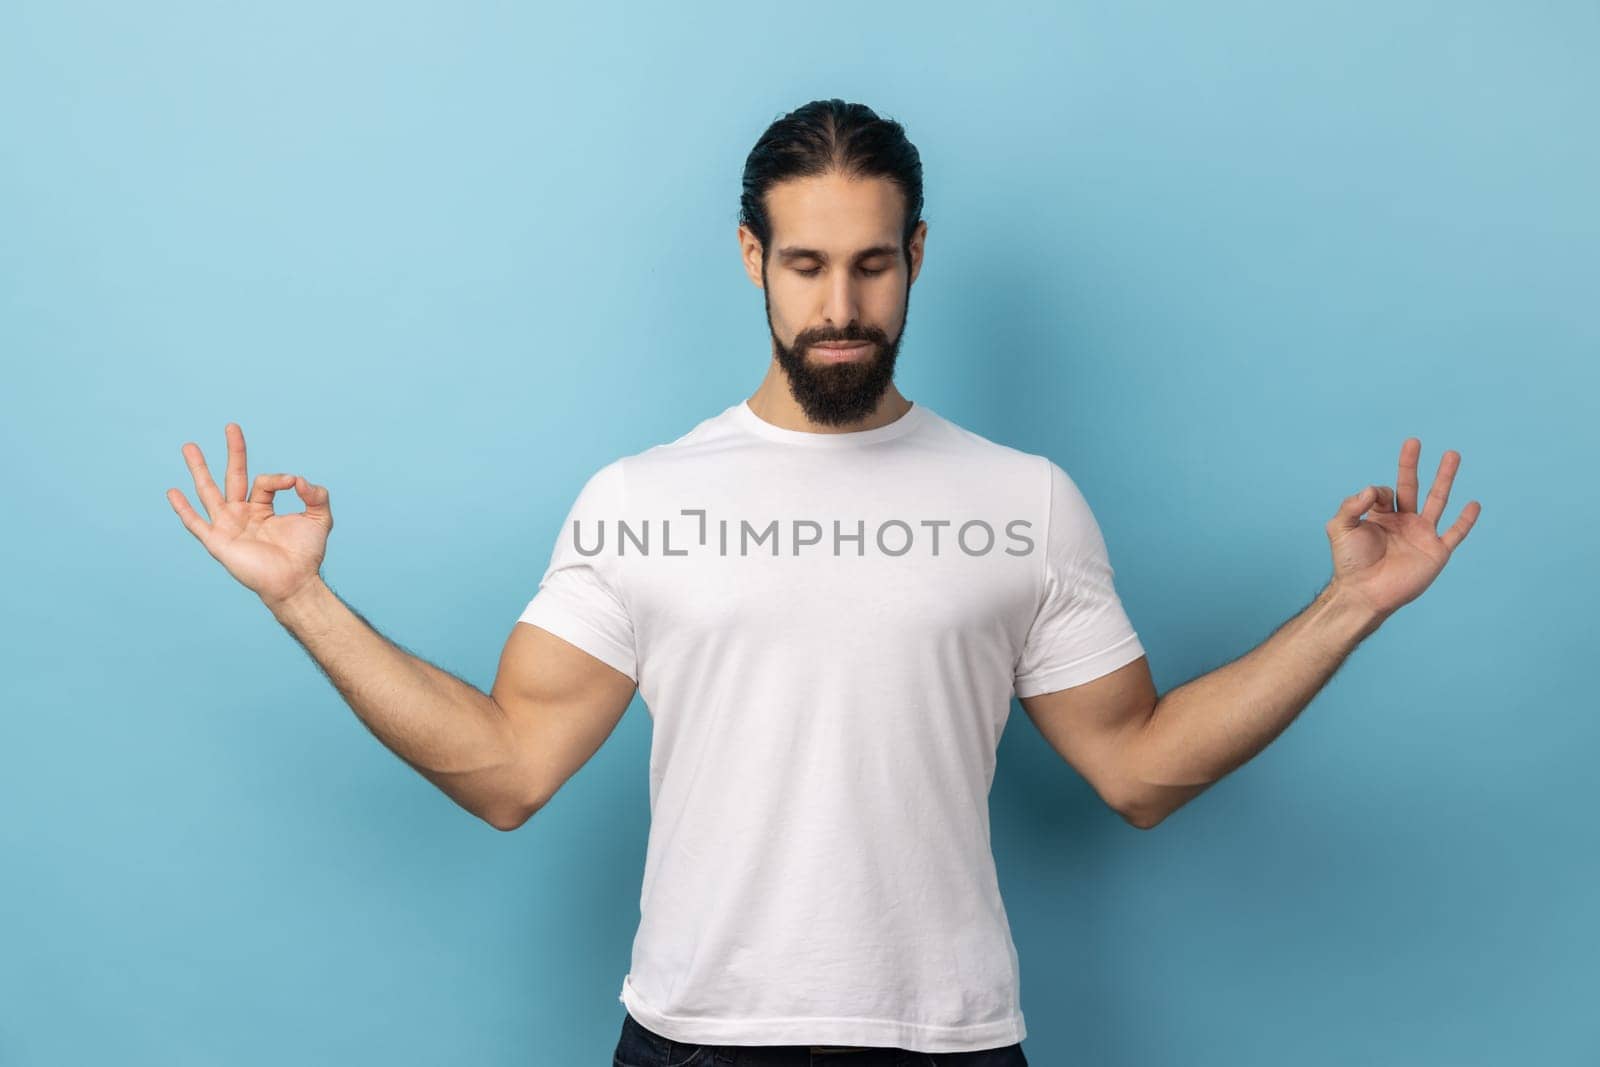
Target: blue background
[(1217, 260)]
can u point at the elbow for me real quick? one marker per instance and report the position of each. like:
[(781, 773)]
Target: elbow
[(1146, 811), (1142, 803), (1147, 808), (1142, 818), (504, 820), (512, 816), (1141, 812)]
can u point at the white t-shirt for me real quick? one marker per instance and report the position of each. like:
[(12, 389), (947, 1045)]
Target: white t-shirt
[(827, 630)]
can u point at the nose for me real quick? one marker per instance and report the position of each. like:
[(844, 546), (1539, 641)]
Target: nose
[(842, 303)]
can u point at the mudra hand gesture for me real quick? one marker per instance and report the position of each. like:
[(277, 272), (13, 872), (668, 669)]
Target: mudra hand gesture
[(1388, 559), (272, 555)]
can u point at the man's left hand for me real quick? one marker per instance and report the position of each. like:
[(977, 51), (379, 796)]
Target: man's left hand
[(1388, 559)]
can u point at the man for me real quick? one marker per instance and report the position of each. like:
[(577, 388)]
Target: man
[(826, 595)]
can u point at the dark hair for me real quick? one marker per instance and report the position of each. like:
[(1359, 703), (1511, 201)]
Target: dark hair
[(822, 137)]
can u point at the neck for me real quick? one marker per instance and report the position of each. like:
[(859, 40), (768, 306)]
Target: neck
[(773, 402)]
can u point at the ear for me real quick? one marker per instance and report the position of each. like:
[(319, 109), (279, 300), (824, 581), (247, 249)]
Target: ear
[(750, 254), (918, 236)]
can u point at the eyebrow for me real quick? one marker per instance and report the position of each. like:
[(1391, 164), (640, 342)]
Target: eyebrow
[(790, 252)]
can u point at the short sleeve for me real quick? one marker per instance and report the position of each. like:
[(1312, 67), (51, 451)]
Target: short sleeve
[(580, 598), (1080, 630)]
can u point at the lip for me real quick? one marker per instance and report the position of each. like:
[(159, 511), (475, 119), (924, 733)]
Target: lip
[(835, 353)]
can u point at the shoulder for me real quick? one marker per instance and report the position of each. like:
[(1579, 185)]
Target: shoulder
[(611, 479), (1039, 476)]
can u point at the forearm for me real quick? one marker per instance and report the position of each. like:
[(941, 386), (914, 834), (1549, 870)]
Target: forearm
[(450, 732), (1202, 730)]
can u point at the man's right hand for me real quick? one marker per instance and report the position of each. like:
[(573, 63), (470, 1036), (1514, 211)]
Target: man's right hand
[(272, 555)]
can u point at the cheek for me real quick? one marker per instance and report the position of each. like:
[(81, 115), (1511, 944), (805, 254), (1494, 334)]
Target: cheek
[(885, 309), (791, 304)]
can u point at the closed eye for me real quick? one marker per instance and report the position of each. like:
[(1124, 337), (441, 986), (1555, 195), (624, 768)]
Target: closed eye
[(869, 271)]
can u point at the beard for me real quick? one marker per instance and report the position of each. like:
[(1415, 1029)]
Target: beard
[(836, 394)]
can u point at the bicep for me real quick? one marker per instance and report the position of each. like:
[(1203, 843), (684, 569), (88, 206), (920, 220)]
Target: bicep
[(561, 703), (1088, 725)]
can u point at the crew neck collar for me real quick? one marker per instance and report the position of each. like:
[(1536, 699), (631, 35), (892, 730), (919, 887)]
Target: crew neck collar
[(747, 418)]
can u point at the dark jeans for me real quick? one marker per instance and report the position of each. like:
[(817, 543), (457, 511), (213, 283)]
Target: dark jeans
[(643, 1047)]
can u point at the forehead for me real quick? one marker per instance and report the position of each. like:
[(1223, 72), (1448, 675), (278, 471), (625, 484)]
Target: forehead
[(834, 213)]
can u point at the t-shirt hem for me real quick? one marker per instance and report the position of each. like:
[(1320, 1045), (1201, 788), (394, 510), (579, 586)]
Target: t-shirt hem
[(1079, 671), (542, 613), (818, 1030)]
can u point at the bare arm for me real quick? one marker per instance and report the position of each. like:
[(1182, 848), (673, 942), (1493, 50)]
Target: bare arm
[(500, 757), (1204, 729), (560, 704), (1148, 757)]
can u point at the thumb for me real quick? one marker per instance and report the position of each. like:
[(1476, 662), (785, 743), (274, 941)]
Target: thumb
[(1352, 508), (315, 496)]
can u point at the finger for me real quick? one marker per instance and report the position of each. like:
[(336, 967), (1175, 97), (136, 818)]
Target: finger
[(1405, 485), (1439, 493), (315, 496), (1385, 501), (267, 484), (1352, 508), (235, 480), (204, 487), (191, 519), (1458, 529)]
